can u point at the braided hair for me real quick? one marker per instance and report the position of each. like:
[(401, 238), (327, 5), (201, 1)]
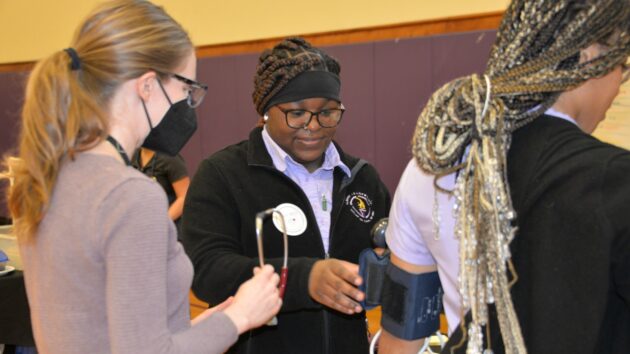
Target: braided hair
[(279, 65), (534, 59)]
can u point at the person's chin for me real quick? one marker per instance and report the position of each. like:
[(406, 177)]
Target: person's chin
[(306, 156), (309, 156), (310, 147), (311, 143)]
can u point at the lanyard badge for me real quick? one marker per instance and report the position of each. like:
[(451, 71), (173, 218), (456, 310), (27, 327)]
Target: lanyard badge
[(260, 218)]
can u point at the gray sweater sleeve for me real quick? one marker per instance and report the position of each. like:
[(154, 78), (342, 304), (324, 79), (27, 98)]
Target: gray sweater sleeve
[(135, 250)]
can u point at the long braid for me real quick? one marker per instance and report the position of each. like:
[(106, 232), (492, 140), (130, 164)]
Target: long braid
[(279, 65), (534, 59)]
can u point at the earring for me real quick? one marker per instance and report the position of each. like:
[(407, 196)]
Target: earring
[(266, 117)]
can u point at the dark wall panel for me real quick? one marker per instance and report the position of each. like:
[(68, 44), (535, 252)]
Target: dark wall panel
[(403, 84), (384, 87), (12, 87), (357, 129), (458, 55), (227, 114), (245, 112), (217, 116)]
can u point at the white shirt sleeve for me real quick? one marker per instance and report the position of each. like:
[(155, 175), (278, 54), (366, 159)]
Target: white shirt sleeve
[(411, 233), (411, 215)]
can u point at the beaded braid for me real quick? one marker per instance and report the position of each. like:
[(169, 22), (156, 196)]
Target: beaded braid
[(534, 59), (288, 59)]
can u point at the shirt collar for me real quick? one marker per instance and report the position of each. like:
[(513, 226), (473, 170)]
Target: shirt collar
[(557, 114), (280, 158)]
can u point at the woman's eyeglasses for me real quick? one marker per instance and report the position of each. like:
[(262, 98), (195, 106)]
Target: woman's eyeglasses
[(196, 90)]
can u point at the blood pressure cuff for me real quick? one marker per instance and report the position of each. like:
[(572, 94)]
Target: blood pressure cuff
[(411, 303), (372, 269)]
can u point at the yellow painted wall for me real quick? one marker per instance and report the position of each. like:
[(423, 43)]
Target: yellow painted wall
[(32, 29)]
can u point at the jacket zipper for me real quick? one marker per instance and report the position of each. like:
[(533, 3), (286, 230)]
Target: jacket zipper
[(326, 324), (333, 222)]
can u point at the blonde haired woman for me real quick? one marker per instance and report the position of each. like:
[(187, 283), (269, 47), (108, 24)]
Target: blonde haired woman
[(103, 269)]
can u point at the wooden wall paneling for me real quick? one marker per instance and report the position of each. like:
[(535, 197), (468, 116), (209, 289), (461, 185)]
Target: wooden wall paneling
[(456, 24), (402, 86), (16, 67)]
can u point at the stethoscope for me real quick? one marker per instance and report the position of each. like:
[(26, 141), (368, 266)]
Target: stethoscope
[(284, 272)]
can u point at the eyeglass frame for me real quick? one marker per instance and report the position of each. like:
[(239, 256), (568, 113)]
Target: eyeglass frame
[(192, 85), (342, 108)]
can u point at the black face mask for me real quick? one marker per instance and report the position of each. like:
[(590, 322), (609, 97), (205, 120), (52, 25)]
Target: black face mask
[(175, 129)]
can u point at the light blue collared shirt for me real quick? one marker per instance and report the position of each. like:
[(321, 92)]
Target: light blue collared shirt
[(558, 114), (317, 185)]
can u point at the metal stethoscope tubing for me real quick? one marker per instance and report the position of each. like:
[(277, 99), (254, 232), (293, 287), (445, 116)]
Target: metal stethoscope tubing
[(284, 272)]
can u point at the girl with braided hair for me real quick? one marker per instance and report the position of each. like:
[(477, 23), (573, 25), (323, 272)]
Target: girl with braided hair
[(331, 200), (540, 206)]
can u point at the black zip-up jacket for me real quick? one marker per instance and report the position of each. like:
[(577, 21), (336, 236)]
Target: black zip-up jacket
[(234, 184), (571, 193)]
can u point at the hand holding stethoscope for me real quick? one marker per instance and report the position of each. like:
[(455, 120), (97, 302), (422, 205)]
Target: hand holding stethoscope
[(284, 272)]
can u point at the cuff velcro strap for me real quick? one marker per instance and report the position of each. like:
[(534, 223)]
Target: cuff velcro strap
[(411, 303), (372, 269)]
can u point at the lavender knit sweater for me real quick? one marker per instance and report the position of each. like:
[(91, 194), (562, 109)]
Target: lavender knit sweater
[(106, 273)]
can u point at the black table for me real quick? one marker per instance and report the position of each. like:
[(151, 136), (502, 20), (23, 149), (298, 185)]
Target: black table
[(15, 320)]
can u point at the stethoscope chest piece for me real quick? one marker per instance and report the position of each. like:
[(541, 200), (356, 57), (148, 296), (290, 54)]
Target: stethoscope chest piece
[(294, 219)]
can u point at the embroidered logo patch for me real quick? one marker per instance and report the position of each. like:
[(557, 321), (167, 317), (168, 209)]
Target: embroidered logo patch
[(361, 206)]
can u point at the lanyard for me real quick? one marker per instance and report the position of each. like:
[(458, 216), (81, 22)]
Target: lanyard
[(259, 234), (120, 150)]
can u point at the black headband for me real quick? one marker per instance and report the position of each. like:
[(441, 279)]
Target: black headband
[(75, 63), (308, 84)]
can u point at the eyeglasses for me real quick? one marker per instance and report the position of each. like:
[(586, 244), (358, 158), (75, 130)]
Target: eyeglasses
[(196, 90), (301, 118)]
